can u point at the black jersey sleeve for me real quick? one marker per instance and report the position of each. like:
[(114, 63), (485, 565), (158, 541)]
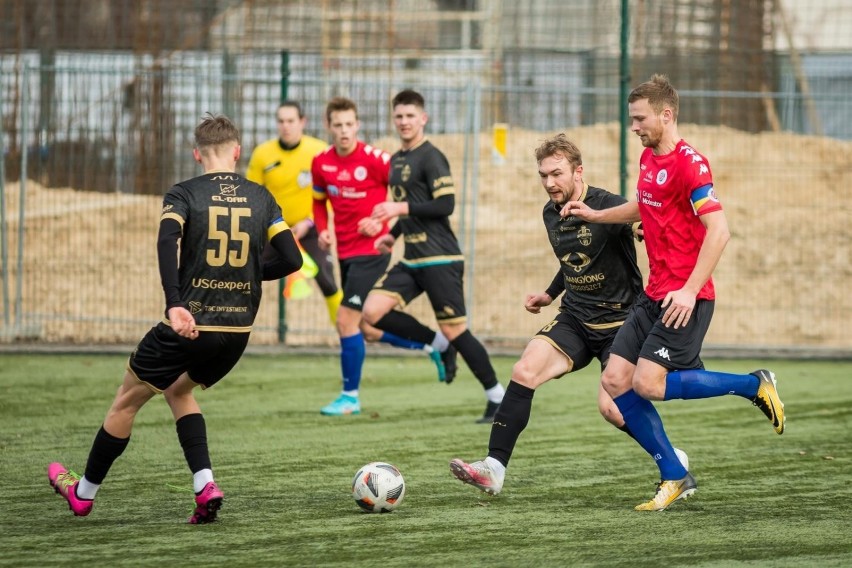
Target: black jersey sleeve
[(167, 257), (557, 286), (441, 206), (281, 256)]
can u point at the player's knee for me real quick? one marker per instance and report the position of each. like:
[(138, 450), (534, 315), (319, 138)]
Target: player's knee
[(610, 412), (524, 374), (614, 383), (644, 387), (372, 313)]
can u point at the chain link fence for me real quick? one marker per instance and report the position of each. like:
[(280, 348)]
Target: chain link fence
[(97, 124)]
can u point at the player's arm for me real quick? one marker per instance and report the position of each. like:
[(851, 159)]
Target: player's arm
[(535, 302), (170, 233), (281, 256), (715, 240), (625, 213)]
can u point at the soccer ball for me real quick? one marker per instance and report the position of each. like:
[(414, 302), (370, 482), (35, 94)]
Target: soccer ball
[(378, 487)]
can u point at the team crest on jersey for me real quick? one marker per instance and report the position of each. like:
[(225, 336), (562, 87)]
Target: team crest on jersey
[(576, 260), (585, 236), (406, 172), (304, 179), (554, 237), (662, 176), (360, 173)]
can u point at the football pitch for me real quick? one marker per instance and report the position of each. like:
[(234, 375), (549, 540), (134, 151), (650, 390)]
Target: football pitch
[(762, 499)]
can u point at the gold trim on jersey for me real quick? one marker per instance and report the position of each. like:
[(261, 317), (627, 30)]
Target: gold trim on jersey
[(451, 190), (146, 383), (395, 295), (172, 215), (553, 343), (423, 141), (604, 325), (460, 319), (221, 328), (432, 260)]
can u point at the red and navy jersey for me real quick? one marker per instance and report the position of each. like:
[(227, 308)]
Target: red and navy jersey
[(226, 221), (353, 184), (674, 190)]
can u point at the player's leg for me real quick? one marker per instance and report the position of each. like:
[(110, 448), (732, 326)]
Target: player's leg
[(540, 362), (395, 290), (325, 275), (673, 349), (210, 358), (156, 360)]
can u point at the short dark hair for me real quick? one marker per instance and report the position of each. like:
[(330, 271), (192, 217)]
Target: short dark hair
[(289, 103), (659, 92), (214, 130), (408, 97), (337, 104)]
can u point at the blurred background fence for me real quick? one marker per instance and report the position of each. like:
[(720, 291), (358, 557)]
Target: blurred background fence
[(98, 100)]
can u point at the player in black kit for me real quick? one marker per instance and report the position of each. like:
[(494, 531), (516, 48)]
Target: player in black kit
[(600, 280), (423, 199), (212, 286)]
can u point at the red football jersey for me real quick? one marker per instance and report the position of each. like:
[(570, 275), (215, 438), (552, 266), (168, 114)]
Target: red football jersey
[(353, 184), (673, 191)]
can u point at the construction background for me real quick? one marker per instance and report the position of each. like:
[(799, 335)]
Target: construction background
[(98, 100)]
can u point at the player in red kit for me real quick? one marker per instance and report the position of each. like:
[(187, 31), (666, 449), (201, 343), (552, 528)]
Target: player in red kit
[(353, 177), (656, 353)]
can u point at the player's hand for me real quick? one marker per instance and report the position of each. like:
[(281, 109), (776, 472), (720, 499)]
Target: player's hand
[(535, 302), (578, 209), (301, 228), (324, 240), (389, 209), (370, 227), (678, 305), (638, 232), (384, 244), (182, 322)]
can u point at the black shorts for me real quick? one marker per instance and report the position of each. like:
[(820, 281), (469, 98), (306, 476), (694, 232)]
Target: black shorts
[(644, 335), (358, 275), (163, 355), (443, 284), (579, 342)]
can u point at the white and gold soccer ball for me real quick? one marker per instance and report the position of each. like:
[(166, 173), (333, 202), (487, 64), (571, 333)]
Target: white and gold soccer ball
[(378, 487)]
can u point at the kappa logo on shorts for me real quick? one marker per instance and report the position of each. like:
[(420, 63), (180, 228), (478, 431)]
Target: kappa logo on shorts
[(356, 300), (663, 353)]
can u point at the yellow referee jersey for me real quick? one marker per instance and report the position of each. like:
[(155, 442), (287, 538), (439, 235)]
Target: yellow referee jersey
[(287, 175)]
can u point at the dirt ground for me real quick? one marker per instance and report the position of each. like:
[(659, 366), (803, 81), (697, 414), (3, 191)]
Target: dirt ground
[(90, 273)]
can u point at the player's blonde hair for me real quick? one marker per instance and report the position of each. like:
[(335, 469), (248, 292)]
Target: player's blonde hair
[(560, 144), (659, 92)]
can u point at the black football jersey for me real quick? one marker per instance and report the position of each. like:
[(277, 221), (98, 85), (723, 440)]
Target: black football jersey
[(418, 175), (226, 221), (598, 261)]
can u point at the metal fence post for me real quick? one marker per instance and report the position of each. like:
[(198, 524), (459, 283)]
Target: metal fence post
[(282, 301)]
